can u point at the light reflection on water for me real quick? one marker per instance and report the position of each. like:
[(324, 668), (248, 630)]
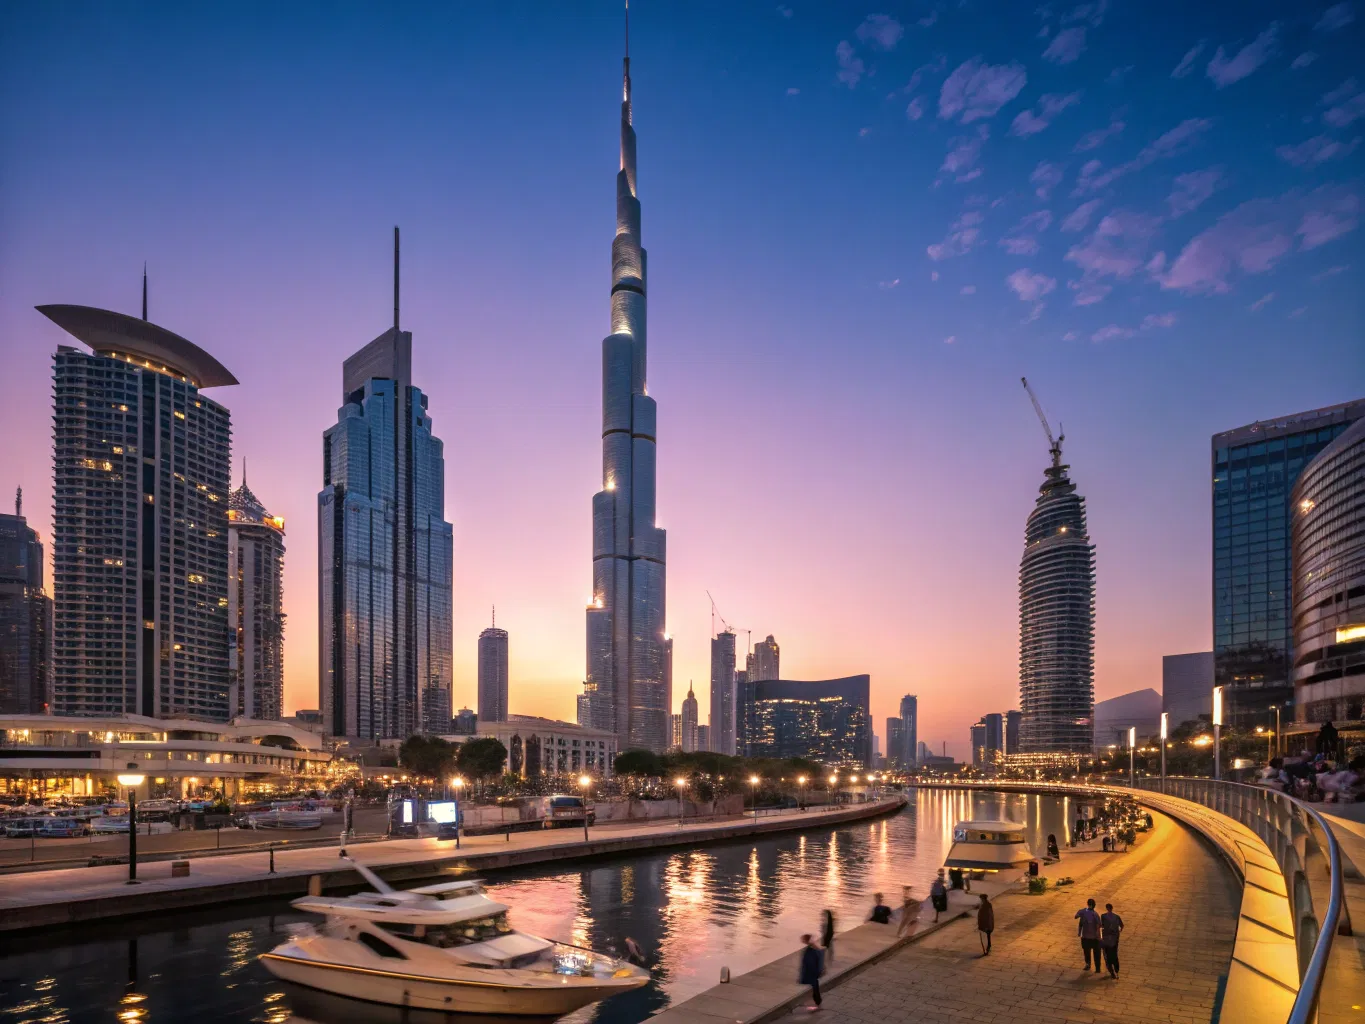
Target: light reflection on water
[(693, 912)]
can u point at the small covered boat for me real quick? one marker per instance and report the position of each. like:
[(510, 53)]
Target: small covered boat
[(981, 846)]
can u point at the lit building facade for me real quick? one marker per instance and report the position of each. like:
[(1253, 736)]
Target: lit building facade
[(827, 720), (723, 696), (688, 740), (766, 662), (978, 744), (1328, 536), (1253, 470), (895, 743), (140, 529), (25, 619), (384, 550), (255, 608), (995, 737), (909, 730), (547, 748), (1012, 722), (625, 689), (1186, 687), (704, 737), (493, 674), (1057, 620)]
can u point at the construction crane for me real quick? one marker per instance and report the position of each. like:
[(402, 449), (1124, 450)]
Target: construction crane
[(1054, 445), (715, 614)]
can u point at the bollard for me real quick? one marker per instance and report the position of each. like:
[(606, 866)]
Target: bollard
[(314, 885), (509, 833), (725, 975), (272, 858)]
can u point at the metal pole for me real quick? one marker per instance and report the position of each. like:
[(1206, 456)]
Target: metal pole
[(1277, 730), (1217, 748), (132, 836)]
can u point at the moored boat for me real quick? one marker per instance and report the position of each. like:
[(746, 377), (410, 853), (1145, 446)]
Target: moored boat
[(982, 846)]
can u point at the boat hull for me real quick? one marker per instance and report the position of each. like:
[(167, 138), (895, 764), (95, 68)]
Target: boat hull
[(451, 996)]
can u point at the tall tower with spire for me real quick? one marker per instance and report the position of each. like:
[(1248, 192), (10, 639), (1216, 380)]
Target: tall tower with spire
[(625, 691)]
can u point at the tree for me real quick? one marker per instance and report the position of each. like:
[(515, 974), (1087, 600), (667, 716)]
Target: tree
[(640, 762), (482, 758), (428, 755)]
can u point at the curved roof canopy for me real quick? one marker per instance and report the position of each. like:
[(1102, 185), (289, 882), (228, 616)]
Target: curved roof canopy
[(111, 333)]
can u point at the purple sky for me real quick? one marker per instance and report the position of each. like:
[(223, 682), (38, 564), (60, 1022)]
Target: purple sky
[(863, 228)]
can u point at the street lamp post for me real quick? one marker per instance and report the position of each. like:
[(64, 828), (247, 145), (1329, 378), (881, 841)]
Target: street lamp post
[(829, 789), (1165, 725), (1218, 716), (584, 782), (132, 779), (753, 795), (1132, 743), (458, 783), (1276, 747), (681, 783), (801, 798)]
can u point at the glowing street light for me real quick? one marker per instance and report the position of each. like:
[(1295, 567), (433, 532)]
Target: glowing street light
[(1165, 725), (1132, 744), (585, 783), (801, 801), (1217, 731), (132, 778), (753, 794), (458, 783), (681, 783)]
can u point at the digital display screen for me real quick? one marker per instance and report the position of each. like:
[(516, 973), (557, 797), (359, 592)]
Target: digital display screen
[(441, 811)]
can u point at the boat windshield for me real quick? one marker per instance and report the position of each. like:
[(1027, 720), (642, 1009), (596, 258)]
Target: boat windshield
[(462, 933)]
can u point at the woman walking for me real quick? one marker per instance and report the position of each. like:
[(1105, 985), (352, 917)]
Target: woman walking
[(827, 935), (985, 924), (938, 895), (909, 910)]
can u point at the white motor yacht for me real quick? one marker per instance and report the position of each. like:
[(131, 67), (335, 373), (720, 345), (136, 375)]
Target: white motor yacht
[(442, 947), (988, 846)]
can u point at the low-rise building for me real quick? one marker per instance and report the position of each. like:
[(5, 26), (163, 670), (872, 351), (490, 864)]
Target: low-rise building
[(43, 755), (539, 747)]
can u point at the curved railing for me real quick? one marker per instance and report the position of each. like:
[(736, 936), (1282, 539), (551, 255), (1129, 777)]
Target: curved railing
[(1309, 858)]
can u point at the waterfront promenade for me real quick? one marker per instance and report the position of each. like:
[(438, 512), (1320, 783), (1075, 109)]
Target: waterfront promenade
[(1179, 903), (67, 896)]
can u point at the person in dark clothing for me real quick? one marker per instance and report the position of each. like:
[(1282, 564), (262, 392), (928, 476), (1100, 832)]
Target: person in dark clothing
[(1110, 927), (827, 935), (985, 924), (1088, 928), (1328, 740), (811, 969), (938, 895), (954, 878), (1052, 850), (881, 913)]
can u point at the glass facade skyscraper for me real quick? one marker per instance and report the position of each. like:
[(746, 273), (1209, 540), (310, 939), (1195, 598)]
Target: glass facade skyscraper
[(25, 619), (493, 674), (139, 540), (827, 720), (255, 608), (723, 696), (626, 687), (384, 552), (909, 730), (1254, 469)]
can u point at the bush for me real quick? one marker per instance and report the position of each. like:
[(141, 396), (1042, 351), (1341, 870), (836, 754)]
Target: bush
[(1037, 885)]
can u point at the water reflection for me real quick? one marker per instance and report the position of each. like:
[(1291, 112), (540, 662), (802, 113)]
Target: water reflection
[(692, 912)]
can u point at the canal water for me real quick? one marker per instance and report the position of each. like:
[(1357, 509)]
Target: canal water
[(737, 905)]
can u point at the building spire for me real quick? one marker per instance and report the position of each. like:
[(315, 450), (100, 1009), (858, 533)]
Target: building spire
[(243, 470), (144, 289), (495, 616), (19, 502), (395, 277)]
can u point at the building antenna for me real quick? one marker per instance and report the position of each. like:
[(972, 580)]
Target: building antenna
[(395, 277), (495, 616), (243, 470), (18, 502), (144, 289), (627, 29)]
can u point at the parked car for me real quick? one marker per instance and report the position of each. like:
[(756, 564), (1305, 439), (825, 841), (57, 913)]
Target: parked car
[(22, 828), (555, 811), (63, 828)]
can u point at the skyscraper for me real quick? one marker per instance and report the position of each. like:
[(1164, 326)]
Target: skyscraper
[(826, 720), (493, 673), (909, 729), (723, 692), (744, 710), (255, 608), (895, 743), (1254, 469), (995, 737), (1012, 720), (139, 539), (1186, 687), (704, 737), (675, 722), (978, 743), (384, 548), (25, 618), (689, 721), (625, 686), (1057, 619), (766, 658)]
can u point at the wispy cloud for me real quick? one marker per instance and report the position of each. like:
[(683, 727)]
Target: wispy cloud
[(1021, 241), (1151, 322), (1335, 17), (1192, 189), (1340, 268), (1262, 302), (1028, 286), (793, 91), (851, 67), (1257, 235), (1155, 320), (915, 110), (1117, 248), (1066, 46), (962, 236), (881, 31), (1186, 64), (1180, 138), (1079, 218), (961, 160), (1224, 71), (1031, 122), (888, 285), (785, 11), (1303, 60), (1097, 138), (950, 340), (1345, 104), (1317, 150), (1045, 177), (976, 90), (967, 289), (1111, 333)]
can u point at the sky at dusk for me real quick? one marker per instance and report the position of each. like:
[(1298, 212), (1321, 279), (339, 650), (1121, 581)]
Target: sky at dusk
[(864, 225)]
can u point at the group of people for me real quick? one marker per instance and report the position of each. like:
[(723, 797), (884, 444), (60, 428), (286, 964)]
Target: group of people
[(1099, 934)]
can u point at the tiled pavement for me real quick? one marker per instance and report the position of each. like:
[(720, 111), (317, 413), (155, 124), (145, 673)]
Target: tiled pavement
[(1179, 903)]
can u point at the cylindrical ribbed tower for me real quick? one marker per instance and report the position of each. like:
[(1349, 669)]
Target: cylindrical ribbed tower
[(626, 686), (1057, 621)]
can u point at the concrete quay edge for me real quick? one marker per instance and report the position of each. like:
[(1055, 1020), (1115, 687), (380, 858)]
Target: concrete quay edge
[(58, 911)]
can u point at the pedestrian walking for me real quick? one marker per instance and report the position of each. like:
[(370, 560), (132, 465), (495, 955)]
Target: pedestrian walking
[(909, 910), (1088, 928), (1110, 927), (985, 923), (811, 969), (938, 895), (827, 935), (881, 913), (1052, 850)]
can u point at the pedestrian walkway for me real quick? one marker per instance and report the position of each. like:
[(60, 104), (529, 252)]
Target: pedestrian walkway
[(1343, 985), (1179, 903), (70, 895)]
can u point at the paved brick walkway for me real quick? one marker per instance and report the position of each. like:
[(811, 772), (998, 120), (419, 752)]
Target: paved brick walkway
[(1179, 904)]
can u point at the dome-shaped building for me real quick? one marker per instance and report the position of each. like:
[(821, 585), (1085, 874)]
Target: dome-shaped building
[(1057, 620)]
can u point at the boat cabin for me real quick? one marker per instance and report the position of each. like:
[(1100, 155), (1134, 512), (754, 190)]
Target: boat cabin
[(982, 846)]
